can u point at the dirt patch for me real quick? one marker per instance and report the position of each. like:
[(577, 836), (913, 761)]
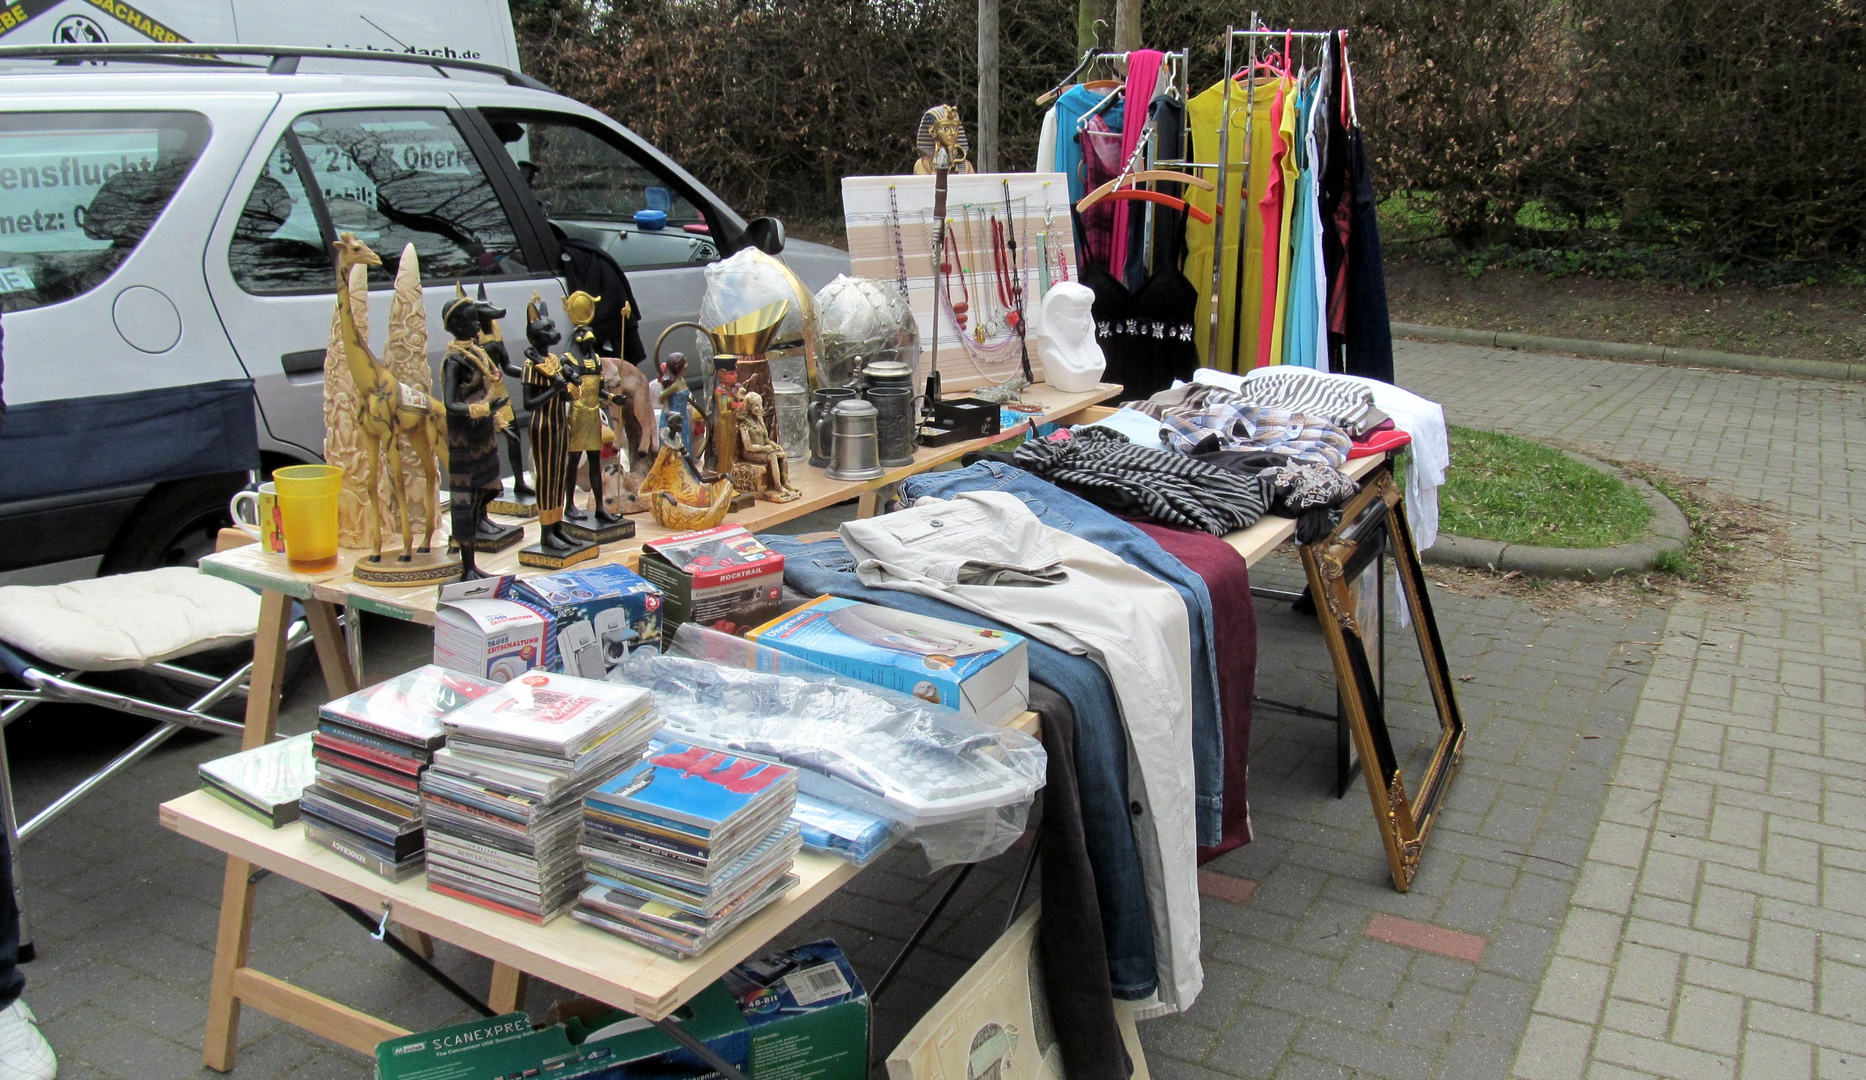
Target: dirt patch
[(1810, 322)]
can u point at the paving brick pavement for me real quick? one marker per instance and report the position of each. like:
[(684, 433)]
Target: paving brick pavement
[(1719, 926), (1620, 928)]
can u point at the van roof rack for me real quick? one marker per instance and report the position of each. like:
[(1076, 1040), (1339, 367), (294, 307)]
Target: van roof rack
[(281, 59)]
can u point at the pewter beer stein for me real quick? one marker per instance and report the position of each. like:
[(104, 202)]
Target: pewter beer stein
[(822, 403), (897, 424), (852, 453)]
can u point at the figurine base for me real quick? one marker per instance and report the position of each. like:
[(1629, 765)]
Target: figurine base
[(595, 533), (742, 501), (500, 538), (509, 503), (433, 568), (547, 559)]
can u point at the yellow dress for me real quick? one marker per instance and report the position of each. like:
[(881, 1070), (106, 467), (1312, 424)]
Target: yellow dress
[(1203, 113)]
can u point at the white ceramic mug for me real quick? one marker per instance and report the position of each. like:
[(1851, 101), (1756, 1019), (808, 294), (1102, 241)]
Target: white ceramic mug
[(262, 520)]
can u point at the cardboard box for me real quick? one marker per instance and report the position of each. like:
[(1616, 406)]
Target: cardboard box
[(973, 671), (800, 1014), (599, 614), (721, 578), (493, 638)]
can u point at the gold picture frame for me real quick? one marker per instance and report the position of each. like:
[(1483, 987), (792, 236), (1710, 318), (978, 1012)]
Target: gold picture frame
[(1373, 524)]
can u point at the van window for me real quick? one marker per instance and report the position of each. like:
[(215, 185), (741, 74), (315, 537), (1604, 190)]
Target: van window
[(400, 176), (277, 245), (591, 187), (79, 191)]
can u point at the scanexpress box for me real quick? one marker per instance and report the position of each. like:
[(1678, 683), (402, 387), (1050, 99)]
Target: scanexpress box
[(721, 578), (800, 1014), (599, 614), (973, 671), (493, 638)]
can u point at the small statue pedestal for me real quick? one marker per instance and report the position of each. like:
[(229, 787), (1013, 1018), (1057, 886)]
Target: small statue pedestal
[(742, 501), (497, 538), (580, 550), (508, 503), (431, 568), (593, 531)]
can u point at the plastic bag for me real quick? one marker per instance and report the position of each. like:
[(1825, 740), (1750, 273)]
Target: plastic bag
[(750, 280), (867, 320), (960, 789)]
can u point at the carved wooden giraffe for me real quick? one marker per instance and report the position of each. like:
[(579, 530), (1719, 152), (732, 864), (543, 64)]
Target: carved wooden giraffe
[(390, 411)]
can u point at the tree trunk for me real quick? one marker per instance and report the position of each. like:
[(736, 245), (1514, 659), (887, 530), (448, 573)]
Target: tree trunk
[(1088, 35), (985, 147), (1126, 25)]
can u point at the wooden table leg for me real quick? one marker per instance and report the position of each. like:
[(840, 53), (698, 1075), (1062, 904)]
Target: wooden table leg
[(508, 988), (419, 941), (866, 505), (332, 656), (236, 892)]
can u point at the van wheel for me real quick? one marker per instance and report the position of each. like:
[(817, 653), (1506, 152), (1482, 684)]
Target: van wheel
[(176, 525)]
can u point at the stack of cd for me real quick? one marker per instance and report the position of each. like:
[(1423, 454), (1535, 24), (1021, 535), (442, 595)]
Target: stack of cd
[(503, 801), (686, 845), (371, 749)]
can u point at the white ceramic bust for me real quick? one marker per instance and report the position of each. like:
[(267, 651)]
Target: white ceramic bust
[(1072, 360)]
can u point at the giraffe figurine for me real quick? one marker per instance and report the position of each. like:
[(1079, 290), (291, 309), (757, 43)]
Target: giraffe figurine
[(391, 411)]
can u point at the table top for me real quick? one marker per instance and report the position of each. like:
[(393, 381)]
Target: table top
[(566, 952), (249, 565)]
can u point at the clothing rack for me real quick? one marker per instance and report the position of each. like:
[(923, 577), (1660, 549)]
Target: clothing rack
[(1252, 36), (1175, 73)]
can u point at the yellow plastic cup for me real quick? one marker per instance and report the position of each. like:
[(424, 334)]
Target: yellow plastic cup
[(308, 503)]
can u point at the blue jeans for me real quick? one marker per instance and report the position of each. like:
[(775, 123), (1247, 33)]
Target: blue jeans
[(1100, 752), (1077, 516)]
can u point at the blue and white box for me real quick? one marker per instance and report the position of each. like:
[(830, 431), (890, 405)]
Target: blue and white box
[(599, 614), (973, 671)]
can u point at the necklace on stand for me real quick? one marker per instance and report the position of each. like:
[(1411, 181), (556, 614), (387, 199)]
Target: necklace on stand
[(959, 313), (960, 310), (900, 250)]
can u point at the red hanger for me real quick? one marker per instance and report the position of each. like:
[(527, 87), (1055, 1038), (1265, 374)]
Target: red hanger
[(1163, 199)]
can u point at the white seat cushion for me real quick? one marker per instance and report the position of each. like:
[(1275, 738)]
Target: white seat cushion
[(127, 620)]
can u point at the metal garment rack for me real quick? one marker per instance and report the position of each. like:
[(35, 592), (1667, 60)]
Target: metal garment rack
[(1232, 34)]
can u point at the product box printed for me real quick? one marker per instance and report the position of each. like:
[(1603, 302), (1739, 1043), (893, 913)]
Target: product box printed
[(492, 637), (599, 614), (800, 1014), (973, 671), (720, 578)]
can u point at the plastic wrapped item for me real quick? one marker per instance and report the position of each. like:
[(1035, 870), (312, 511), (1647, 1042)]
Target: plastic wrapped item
[(866, 319), (750, 280), (956, 787), (847, 833)]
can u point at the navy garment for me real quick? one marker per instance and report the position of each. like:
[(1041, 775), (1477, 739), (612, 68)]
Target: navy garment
[(825, 566), (11, 981), (1078, 517), (1369, 333)]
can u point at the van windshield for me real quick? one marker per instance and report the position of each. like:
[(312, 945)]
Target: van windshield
[(79, 191)]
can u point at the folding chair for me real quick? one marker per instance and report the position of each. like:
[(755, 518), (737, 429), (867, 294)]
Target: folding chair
[(54, 637)]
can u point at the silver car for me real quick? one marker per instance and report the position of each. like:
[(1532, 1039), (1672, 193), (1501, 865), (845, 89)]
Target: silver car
[(166, 278)]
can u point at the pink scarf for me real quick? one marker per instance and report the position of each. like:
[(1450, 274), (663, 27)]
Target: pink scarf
[(1143, 74)]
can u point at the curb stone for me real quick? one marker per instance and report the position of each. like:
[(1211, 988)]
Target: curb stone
[(1668, 530), (1620, 350)]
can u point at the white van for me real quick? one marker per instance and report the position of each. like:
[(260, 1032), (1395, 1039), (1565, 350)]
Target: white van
[(165, 267)]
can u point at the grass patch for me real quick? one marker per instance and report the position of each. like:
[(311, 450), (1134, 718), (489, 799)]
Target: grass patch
[(1514, 491)]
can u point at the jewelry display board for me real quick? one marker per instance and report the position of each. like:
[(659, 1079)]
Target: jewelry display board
[(1373, 523), (891, 236)]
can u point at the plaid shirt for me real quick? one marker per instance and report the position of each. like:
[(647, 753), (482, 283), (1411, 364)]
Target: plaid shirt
[(1230, 424)]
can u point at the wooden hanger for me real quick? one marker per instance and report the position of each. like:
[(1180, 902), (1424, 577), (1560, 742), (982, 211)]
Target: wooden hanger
[(1141, 194), (1103, 191)]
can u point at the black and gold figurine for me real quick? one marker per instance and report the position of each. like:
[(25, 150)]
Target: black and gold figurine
[(478, 408), (583, 370), (547, 399), (516, 498)]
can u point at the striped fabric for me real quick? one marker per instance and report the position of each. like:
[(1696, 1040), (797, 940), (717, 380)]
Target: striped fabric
[(1307, 391), (1168, 487)]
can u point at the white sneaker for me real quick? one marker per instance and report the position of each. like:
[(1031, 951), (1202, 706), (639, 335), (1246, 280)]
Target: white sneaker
[(24, 1053)]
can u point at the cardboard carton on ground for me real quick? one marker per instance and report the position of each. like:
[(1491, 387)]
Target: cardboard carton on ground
[(995, 1021), (973, 671), (721, 578), (599, 614), (800, 1014)]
